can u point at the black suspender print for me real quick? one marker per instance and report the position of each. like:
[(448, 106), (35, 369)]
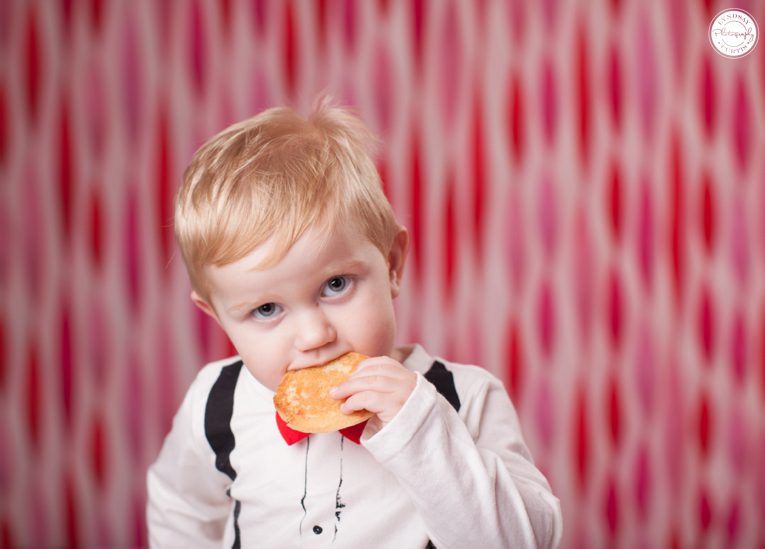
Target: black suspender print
[(443, 379), (220, 408), (218, 412)]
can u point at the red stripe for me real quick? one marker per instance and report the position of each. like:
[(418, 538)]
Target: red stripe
[(66, 180), (96, 15), (5, 126), (581, 444), (3, 358), (66, 365), (418, 30), (225, 16), (139, 522), (95, 226), (71, 506), (733, 523), (762, 354), (615, 311), (450, 239), (707, 97), (32, 65), (583, 94), (706, 325), (705, 510), (705, 427), (416, 204), (515, 373), (516, 123), (290, 54), (478, 180), (708, 217), (260, 15), (611, 509), (614, 205), (349, 24), (614, 412), (676, 201), (132, 255), (6, 535), (615, 86), (99, 455), (197, 45), (33, 396), (321, 23), (164, 186)]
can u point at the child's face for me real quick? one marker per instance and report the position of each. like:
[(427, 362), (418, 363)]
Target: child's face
[(325, 297)]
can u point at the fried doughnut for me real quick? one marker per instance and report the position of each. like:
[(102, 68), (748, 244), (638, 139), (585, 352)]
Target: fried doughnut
[(302, 397)]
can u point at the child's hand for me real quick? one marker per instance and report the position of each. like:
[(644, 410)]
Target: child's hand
[(380, 385)]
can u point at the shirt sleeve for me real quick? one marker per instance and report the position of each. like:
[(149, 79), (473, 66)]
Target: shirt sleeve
[(470, 475), (187, 501)]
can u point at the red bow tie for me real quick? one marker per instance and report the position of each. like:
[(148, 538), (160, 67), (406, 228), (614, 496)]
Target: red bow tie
[(291, 436)]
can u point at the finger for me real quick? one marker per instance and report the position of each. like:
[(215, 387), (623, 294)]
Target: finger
[(379, 383), (366, 400), (381, 369), (384, 406), (377, 362)]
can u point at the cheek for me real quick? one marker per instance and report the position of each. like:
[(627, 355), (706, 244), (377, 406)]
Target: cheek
[(266, 367), (262, 355), (372, 326)]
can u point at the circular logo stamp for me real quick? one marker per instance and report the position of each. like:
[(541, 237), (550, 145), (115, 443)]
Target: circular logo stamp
[(733, 33)]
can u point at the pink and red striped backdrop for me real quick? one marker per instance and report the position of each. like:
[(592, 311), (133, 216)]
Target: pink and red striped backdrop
[(585, 191)]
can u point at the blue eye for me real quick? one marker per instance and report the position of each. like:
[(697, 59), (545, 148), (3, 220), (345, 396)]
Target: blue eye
[(266, 311), (336, 286)]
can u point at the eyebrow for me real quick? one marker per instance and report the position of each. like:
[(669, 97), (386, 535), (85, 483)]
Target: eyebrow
[(240, 306), (350, 265)]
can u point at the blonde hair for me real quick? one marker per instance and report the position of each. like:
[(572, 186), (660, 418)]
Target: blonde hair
[(272, 177)]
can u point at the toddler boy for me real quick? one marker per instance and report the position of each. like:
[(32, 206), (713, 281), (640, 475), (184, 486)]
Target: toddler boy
[(292, 247)]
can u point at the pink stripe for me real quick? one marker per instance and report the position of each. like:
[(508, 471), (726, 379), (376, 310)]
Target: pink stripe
[(548, 101), (646, 76), (96, 113), (134, 406), (132, 92), (645, 245), (69, 378), (383, 89), (547, 213), (34, 65), (707, 91), (450, 60), (197, 46), (67, 172), (515, 238)]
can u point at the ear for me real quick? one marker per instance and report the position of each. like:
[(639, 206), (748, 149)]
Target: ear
[(204, 305), (397, 255)]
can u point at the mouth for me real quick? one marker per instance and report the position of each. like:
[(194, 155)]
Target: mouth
[(315, 364)]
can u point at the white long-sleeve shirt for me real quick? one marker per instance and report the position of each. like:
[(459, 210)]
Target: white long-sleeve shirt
[(450, 470)]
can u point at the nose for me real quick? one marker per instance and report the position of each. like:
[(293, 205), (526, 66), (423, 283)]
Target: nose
[(314, 330)]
